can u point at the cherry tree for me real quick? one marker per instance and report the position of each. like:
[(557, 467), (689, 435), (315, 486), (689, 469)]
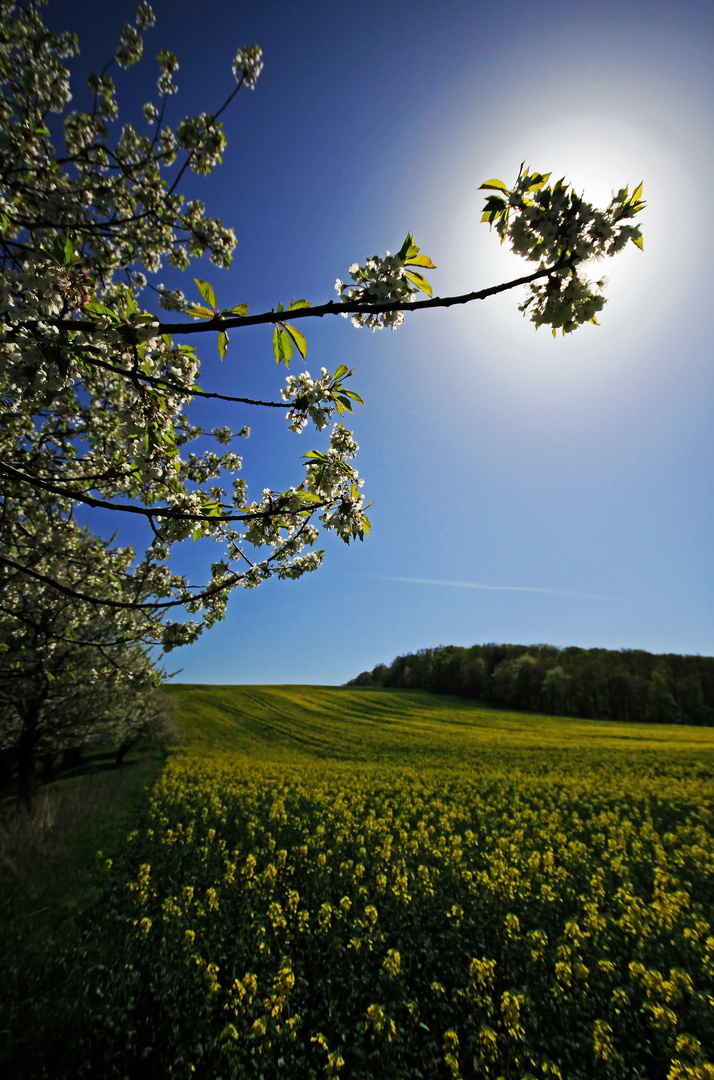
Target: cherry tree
[(99, 364), (72, 671)]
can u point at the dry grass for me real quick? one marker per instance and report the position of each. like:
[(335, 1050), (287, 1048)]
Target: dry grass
[(45, 837)]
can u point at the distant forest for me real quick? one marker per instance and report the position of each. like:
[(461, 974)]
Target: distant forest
[(600, 684)]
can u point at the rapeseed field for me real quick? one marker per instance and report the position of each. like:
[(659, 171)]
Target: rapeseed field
[(365, 884)]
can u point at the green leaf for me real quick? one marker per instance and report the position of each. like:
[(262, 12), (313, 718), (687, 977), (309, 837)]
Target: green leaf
[(366, 525), (420, 260), (102, 309), (298, 338), (404, 249), (495, 203), (342, 404), (493, 185), (286, 345), (309, 496), (351, 394), (281, 307), (317, 455), (342, 370), (239, 309), (206, 292), (68, 251), (295, 304), (282, 345), (637, 193), (420, 282), (637, 241), (196, 311), (222, 343), (538, 181)]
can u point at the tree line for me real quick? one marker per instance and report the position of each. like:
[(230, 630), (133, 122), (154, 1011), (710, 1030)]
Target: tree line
[(629, 685)]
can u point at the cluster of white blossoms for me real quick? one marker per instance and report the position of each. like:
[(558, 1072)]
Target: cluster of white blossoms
[(283, 519), (168, 66), (247, 65), (131, 47), (379, 281), (555, 227), (311, 399), (203, 137)]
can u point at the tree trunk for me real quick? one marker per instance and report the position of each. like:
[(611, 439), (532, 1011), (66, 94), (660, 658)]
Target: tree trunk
[(26, 774), (122, 752)]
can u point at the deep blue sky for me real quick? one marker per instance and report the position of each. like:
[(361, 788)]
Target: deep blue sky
[(525, 489)]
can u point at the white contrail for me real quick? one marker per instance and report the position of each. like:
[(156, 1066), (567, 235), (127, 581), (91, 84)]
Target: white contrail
[(501, 588)]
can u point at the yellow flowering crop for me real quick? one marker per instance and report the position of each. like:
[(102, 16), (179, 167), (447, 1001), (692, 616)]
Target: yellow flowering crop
[(492, 913)]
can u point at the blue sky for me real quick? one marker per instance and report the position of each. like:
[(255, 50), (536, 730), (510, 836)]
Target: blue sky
[(525, 489)]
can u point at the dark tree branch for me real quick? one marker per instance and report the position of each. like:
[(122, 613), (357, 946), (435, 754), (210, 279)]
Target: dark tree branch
[(331, 308), (134, 605), (147, 512), (165, 384)]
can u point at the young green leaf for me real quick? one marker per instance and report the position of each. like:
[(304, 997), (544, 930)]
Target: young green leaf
[(101, 309), (295, 304), (342, 370), (404, 249), (197, 311), (351, 394), (286, 345), (239, 309), (420, 260), (493, 185), (637, 241), (420, 282), (222, 344), (539, 180), (298, 338), (206, 292)]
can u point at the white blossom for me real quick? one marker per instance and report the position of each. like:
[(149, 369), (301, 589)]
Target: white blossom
[(247, 65)]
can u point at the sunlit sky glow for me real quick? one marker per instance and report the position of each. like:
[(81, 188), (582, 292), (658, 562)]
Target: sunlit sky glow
[(567, 483)]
